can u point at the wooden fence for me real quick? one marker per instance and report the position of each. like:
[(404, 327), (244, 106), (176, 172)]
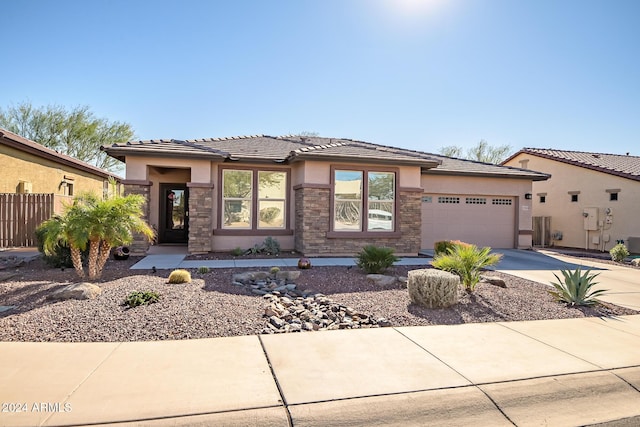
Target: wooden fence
[(20, 215)]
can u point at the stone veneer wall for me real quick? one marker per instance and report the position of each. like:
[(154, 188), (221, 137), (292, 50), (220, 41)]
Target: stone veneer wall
[(140, 243), (313, 218), (200, 218)]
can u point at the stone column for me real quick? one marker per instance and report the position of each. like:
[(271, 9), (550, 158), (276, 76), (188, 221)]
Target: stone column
[(140, 244), (200, 217)]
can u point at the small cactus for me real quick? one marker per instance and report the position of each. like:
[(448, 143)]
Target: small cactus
[(180, 276), (274, 270), (203, 270)]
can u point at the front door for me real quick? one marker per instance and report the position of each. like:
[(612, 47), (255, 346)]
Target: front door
[(174, 213)]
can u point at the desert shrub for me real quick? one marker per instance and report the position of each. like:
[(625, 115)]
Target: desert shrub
[(619, 252), (203, 270), (576, 289), (237, 251), (443, 247), (137, 298), (61, 255), (433, 288), (270, 246), (466, 261), (376, 259), (180, 276)]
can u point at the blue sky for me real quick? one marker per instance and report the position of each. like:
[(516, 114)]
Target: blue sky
[(417, 74)]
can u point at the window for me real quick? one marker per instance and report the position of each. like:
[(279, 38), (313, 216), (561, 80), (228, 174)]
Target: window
[(574, 197), (363, 200), (501, 202), (254, 199), (613, 197), (476, 201), (454, 200), (543, 199)]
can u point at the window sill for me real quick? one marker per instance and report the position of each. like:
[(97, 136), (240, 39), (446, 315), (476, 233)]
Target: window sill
[(251, 232), (364, 235)]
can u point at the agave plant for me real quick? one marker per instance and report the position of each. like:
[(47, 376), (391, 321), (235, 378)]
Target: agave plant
[(576, 289), (376, 259)]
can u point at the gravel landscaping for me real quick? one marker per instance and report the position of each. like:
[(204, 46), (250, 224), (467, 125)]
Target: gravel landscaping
[(211, 306)]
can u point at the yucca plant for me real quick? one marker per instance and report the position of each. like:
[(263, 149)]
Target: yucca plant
[(576, 289), (466, 261), (376, 259)]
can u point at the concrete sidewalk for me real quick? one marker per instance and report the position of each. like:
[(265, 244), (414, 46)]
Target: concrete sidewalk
[(172, 261), (556, 372)]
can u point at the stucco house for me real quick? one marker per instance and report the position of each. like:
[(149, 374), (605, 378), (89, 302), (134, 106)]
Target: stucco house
[(35, 183), (28, 167), (322, 196), (591, 201)]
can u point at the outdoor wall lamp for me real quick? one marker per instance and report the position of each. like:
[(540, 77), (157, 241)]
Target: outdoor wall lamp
[(527, 196)]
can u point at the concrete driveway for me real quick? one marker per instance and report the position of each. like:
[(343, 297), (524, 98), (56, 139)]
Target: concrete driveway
[(622, 282)]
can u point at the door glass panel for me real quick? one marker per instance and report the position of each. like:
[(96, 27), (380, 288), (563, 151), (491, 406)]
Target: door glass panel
[(175, 218)]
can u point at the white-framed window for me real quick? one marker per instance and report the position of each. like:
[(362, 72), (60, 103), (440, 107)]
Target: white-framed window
[(237, 197)]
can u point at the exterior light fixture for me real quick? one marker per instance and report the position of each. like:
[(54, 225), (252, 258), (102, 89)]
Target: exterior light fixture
[(527, 196)]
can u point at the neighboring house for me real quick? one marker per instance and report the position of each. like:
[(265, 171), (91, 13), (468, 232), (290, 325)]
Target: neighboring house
[(28, 167), (591, 201), (35, 183), (322, 196)]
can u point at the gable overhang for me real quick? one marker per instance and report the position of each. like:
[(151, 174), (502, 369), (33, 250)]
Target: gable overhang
[(27, 146)]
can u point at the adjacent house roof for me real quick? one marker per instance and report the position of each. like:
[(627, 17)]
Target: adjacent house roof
[(18, 142), (292, 148), (625, 166)]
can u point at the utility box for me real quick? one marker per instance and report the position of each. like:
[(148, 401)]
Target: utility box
[(24, 187), (590, 218)]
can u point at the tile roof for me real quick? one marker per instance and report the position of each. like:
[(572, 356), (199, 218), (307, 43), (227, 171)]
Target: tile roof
[(23, 144), (625, 166), (292, 148)]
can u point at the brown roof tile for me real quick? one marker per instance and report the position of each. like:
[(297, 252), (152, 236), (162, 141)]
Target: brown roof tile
[(614, 164), (291, 148)]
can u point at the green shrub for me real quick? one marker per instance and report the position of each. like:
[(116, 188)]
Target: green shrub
[(433, 288), (443, 247), (137, 298), (376, 259), (203, 270), (180, 276), (466, 261), (61, 256), (619, 252), (237, 251), (270, 246), (576, 289)]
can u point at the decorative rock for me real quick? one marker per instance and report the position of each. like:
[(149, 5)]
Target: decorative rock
[(381, 279), (289, 275), (76, 291), (493, 280), (276, 321), (636, 262)]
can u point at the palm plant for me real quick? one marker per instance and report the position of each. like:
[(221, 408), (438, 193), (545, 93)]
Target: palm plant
[(576, 289), (376, 259), (98, 225), (466, 261)]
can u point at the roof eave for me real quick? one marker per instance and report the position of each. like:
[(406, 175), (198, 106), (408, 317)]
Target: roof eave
[(121, 153), (294, 157), (532, 177)]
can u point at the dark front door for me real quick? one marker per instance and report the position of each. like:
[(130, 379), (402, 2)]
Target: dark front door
[(174, 213)]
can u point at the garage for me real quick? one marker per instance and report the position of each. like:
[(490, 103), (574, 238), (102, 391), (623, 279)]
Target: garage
[(484, 220)]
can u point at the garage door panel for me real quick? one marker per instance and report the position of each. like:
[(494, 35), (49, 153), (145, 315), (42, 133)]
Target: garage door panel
[(481, 220)]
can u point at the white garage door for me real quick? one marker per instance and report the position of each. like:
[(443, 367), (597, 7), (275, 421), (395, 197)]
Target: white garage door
[(481, 220)]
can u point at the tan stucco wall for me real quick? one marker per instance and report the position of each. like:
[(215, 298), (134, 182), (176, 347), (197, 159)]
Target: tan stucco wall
[(44, 175), (482, 186), (566, 216), (320, 173)]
